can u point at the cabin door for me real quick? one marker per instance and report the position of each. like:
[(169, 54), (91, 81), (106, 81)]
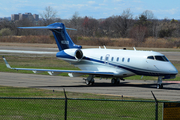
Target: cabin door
[(107, 59)]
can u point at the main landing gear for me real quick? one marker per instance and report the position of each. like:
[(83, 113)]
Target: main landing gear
[(115, 81), (159, 83), (89, 80)]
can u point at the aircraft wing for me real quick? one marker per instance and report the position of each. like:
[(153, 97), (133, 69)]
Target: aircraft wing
[(55, 72)]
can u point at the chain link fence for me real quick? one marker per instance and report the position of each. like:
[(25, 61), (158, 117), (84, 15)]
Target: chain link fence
[(83, 109), (110, 109), (31, 108)]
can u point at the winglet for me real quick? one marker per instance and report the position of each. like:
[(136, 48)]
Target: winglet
[(7, 64)]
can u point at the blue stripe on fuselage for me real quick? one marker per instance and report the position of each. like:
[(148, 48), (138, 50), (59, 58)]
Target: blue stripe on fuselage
[(137, 71), (132, 69)]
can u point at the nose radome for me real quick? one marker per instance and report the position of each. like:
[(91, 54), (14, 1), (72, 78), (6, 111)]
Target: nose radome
[(173, 69)]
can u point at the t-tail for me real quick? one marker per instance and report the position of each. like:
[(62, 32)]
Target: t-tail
[(61, 36)]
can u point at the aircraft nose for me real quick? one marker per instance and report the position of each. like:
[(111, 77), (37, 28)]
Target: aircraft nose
[(167, 67), (172, 69)]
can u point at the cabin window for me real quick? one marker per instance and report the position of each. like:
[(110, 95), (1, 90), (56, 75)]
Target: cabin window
[(112, 58), (122, 59), (128, 60), (161, 58), (101, 58), (117, 58), (150, 57)]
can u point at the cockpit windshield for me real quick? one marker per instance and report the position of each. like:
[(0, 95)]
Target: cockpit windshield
[(150, 57), (159, 58)]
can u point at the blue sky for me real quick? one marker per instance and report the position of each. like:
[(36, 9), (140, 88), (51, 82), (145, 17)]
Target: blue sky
[(93, 8)]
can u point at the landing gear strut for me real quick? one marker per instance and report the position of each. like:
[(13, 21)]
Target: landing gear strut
[(115, 81), (159, 83), (89, 80)]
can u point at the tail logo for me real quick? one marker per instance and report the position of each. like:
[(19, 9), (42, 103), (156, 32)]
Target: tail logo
[(65, 42)]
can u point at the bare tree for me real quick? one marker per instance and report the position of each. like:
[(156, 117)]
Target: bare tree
[(151, 23), (149, 14), (155, 31), (90, 26), (123, 23), (75, 20), (49, 15), (106, 27), (138, 33)]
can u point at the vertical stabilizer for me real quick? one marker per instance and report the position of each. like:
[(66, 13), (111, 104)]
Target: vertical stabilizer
[(62, 38)]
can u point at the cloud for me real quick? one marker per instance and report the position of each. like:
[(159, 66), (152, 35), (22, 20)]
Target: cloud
[(91, 2), (117, 0), (171, 11), (137, 1)]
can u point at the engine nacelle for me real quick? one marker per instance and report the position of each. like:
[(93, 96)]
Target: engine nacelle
[(73, 55), (78, 54)]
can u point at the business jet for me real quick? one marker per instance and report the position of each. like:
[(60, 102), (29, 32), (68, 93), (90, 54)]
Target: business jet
[(105, 63)]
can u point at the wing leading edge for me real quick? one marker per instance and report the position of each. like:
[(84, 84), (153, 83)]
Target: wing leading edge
[(55, 72)]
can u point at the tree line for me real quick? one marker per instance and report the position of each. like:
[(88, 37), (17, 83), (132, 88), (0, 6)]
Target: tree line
[(124, 25)]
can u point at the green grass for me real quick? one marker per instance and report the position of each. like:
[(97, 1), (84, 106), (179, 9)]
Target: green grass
[(113, 110), (6, 91), (30, 108)]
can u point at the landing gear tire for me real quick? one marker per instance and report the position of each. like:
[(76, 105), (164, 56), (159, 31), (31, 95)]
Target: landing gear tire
[(115, 81), (159, 83), (89, 82), (160, 86)]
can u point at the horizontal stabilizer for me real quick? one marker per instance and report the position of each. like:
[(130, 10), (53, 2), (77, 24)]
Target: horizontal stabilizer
[(41, 27), (45, 27)]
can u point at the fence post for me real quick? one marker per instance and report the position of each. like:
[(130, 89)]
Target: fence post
[(65, 112), (156, 109)]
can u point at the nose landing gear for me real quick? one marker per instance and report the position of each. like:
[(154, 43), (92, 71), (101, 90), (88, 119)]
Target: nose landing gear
[(159, 86), (159, 83)]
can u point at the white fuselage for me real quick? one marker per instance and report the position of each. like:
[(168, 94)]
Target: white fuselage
[(122, 62)]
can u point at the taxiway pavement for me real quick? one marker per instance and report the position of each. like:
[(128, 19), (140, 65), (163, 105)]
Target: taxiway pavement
[(128, 88)]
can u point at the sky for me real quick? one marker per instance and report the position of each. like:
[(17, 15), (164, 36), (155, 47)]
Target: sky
[(92, 8)]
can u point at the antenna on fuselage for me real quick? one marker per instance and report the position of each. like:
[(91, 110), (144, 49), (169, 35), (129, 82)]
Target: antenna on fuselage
[(134, 48), (104, 47), (99, 47)]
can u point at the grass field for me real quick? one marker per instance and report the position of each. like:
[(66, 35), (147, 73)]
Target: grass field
[(31, 103)]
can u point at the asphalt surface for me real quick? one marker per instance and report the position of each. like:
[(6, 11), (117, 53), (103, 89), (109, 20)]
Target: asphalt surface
[(128, 88)]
